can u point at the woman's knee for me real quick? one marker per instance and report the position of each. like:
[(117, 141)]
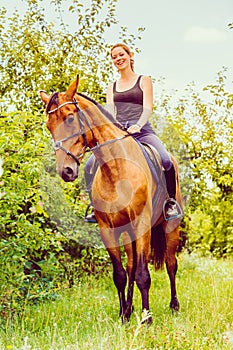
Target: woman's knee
[(164, 155), (166, 162)]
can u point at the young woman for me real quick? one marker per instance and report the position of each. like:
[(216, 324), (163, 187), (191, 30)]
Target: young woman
[(130, 100)]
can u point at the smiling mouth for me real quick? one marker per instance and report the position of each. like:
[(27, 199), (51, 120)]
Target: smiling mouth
[(120, 63)]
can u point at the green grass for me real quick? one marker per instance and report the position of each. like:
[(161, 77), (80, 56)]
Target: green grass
[(86, 316)]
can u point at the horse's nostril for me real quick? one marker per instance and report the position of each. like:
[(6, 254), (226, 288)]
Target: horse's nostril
[(67, 174), (68, 171)]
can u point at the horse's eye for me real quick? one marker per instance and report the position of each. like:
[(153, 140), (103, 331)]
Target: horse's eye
[(70, 119)]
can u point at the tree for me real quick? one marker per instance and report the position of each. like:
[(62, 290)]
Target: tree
[(207, 130), (37, 54)]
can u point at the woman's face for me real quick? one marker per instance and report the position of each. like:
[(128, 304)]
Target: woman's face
[(120, 58)]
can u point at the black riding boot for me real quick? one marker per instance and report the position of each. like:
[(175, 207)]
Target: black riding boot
[(172, 209), (170, 176)]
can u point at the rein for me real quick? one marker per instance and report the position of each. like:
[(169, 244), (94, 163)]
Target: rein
[(82, 119)]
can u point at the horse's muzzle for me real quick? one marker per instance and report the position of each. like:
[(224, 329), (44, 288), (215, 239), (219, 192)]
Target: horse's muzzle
[(69, 174)]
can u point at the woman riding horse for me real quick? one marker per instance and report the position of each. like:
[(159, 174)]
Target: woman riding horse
[(130, 100)]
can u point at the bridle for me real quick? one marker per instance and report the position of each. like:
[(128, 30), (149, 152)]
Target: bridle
[(82, 120)]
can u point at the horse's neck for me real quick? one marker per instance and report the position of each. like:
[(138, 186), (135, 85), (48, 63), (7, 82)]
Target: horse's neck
[(104, 133), (107, 141)]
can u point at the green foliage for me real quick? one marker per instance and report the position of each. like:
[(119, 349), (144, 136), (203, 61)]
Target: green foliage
[(211, 230), (37, 54), (36, 255), (206, 130)]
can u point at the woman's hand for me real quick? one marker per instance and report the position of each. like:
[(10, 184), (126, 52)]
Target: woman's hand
[(134, 128)]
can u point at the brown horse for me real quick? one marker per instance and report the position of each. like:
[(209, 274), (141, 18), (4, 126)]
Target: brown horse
[(122, 191)]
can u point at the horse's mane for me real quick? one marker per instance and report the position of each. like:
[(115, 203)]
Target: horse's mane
[(108, 115)]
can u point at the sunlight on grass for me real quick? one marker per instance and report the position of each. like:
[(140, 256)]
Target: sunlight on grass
[(86, 316)]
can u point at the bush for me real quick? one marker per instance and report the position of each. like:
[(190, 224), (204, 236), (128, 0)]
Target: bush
[(44, 245)]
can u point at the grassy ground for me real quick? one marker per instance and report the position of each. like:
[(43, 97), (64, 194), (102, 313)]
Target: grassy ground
[(86, 316)]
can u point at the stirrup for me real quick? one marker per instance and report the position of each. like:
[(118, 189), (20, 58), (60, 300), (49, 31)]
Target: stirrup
[(90, 218), (177, 215)]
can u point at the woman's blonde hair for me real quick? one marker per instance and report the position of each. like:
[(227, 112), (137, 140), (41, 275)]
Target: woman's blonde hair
[(127, 49)]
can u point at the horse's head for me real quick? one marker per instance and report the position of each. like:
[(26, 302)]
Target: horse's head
[(67, 124)]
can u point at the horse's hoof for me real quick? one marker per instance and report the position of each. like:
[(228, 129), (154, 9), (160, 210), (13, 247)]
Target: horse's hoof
[(148, 321), (126, 316), (146, 317), (174, 305), (124, 319)]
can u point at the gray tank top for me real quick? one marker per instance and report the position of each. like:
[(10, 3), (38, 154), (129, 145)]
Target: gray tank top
[(129, 103)]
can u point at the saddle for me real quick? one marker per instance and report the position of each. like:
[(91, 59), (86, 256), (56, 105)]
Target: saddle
[(153, 155), (154, 162), (161, 194)]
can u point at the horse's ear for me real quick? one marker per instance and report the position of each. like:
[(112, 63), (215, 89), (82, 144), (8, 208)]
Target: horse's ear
[(44, 96), (72, 89)]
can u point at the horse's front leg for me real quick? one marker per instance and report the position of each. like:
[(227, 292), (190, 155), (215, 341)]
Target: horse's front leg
[(120, 279), (111, 242), (171, 265), (142, 275)]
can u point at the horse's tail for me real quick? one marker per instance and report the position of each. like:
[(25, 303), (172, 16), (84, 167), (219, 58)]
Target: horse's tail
[(158, 247)]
